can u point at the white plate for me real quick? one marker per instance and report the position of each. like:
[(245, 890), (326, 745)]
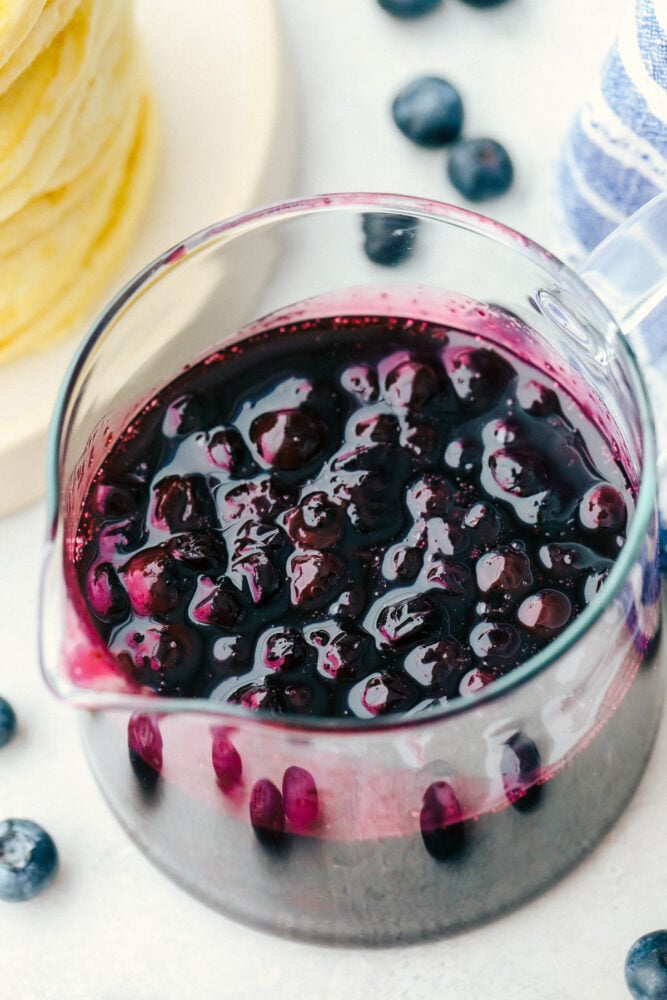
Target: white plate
[(227, 141)]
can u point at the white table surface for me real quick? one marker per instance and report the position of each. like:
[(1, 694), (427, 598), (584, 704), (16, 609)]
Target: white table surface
[(112, 926)]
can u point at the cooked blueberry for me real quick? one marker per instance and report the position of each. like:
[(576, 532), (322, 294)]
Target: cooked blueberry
[(255, 499), (183, 503), (300, 797), (257, 697), (256, 574), (429, 111), (409, 384), (7, 722), (216, 604), (297, 699), (287, 439), (124, 497), (105, 593), (388, 239), (255, 534), (402, 562), (28, 860), (384, 693), (441, 821), (144, 742), (566, 559), (153, 583), (518, 471), (494, 641), (349, 603), (406, 621), (267, 813), (444, 538), (201, 552), (378, 428), (429, 496), (231, 654), (420, 440), (409, 8), (316, 523), (226, 760), (451, 578), (184, 414), (474, 681), (283, 649), (339, 654), (461, 455), (520, 769), (315, 578), (479, 168), (537, 399), (484, 522), (602, 508), (479, 376), (225, 449), (504, 573), (362, 381), (646, 967), (161, 657), (545, 613), (439, 666)]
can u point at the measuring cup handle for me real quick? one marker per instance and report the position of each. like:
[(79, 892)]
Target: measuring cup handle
[(628, 270)]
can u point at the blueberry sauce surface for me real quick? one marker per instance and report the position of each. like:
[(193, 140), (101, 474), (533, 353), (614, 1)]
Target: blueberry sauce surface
[(348, 517)]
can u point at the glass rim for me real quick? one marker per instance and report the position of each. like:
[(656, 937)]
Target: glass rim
[(385, 203)]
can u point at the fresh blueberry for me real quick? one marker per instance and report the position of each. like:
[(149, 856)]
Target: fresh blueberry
[(409, 8), (7, 722), (646, 967), (429, 111), (480, 168), (28, 859), (388, 239)]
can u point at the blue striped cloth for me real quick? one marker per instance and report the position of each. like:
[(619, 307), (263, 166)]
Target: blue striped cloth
[(614, 159)]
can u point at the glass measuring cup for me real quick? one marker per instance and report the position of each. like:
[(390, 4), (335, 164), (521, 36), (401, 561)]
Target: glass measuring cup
[(356, 865)]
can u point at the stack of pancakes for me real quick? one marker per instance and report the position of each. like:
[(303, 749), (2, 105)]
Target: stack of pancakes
[(77, 149)]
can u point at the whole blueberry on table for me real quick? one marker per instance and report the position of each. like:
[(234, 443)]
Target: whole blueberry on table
[(388, 239), (7, 722), (28, 859), (429, 110), (480, 168), (646, 967), (409, 8)]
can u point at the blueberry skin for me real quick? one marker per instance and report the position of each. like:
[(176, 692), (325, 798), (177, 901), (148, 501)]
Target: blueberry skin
[(646, 967), (389, 239), (429, 111), (7, 722), (409, 8), (480, 168), (28, 860)]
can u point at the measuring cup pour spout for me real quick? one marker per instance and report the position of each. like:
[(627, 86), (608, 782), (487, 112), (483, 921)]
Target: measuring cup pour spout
[(628, 270)]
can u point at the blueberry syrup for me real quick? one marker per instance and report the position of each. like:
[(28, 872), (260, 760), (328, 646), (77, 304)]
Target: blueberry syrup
[(348, 517), (360, 518)]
